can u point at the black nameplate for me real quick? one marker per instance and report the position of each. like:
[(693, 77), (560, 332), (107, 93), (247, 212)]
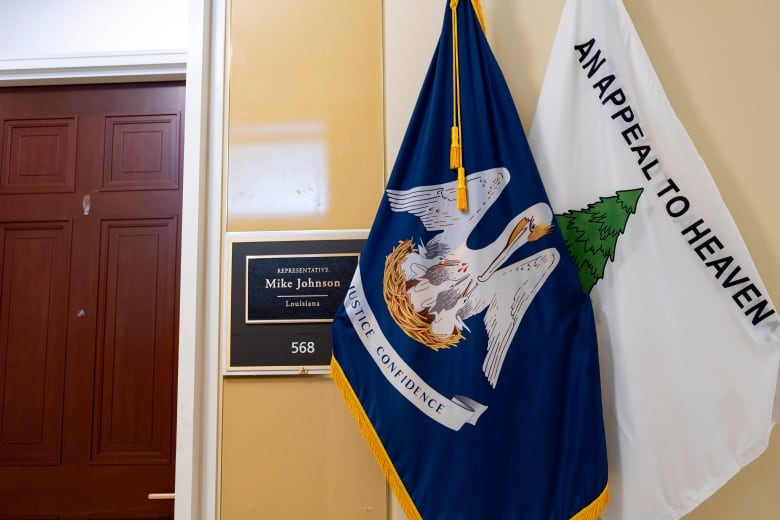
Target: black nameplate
[(283, 296), (302, 288)]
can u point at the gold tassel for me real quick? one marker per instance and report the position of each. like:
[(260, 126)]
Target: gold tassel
[(456, 148), (456, 157), (463, 203)]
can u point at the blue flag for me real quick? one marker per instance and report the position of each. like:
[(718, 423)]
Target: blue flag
[(466, 346)]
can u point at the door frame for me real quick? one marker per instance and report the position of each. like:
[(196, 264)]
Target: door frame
[(202, 66)]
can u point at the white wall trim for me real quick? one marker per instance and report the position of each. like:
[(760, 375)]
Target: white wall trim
[(93, 68), (198, 392), (215, 229), (198, 388)]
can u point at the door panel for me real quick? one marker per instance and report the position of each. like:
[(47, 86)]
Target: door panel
[(136, 315), (142, 152), (39, 155), (90, 209), (33, 301)]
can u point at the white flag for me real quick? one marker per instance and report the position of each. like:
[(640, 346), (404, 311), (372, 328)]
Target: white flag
[(688, 336)]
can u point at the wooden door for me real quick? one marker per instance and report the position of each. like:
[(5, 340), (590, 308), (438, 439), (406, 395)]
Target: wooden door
[(90, 220)]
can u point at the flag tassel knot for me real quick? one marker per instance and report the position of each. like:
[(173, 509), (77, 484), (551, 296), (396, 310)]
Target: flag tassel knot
[(456, 155)]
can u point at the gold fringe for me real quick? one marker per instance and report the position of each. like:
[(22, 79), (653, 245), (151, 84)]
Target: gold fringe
[(591, 512), (480, 15), (367, 429), (595, 508)]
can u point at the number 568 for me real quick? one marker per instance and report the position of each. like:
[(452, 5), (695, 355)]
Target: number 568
[(302, 347)]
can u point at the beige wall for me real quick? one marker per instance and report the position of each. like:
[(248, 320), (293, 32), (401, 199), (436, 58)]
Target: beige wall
[(305, 151), (717, 60)]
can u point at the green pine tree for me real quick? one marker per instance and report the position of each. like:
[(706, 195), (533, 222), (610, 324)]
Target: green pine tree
[(591, 234)]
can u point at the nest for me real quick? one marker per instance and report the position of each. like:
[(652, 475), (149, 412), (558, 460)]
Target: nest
[(416, 325)]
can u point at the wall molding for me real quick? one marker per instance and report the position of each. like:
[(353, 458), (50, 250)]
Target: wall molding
[(94, 68)]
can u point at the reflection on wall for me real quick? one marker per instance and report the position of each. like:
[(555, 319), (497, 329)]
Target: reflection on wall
[(305, 143), (278, 170)]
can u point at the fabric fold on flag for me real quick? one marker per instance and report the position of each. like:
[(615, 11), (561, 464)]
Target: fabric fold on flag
[(688, 335), (465, 347)]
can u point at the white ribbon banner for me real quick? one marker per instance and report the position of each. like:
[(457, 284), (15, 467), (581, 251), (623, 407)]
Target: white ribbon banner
[(452, 413)]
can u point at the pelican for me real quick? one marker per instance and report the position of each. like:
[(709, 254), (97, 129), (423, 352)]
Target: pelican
[(448, 282)]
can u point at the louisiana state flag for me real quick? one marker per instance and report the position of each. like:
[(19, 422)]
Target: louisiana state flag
[(466, 347)]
